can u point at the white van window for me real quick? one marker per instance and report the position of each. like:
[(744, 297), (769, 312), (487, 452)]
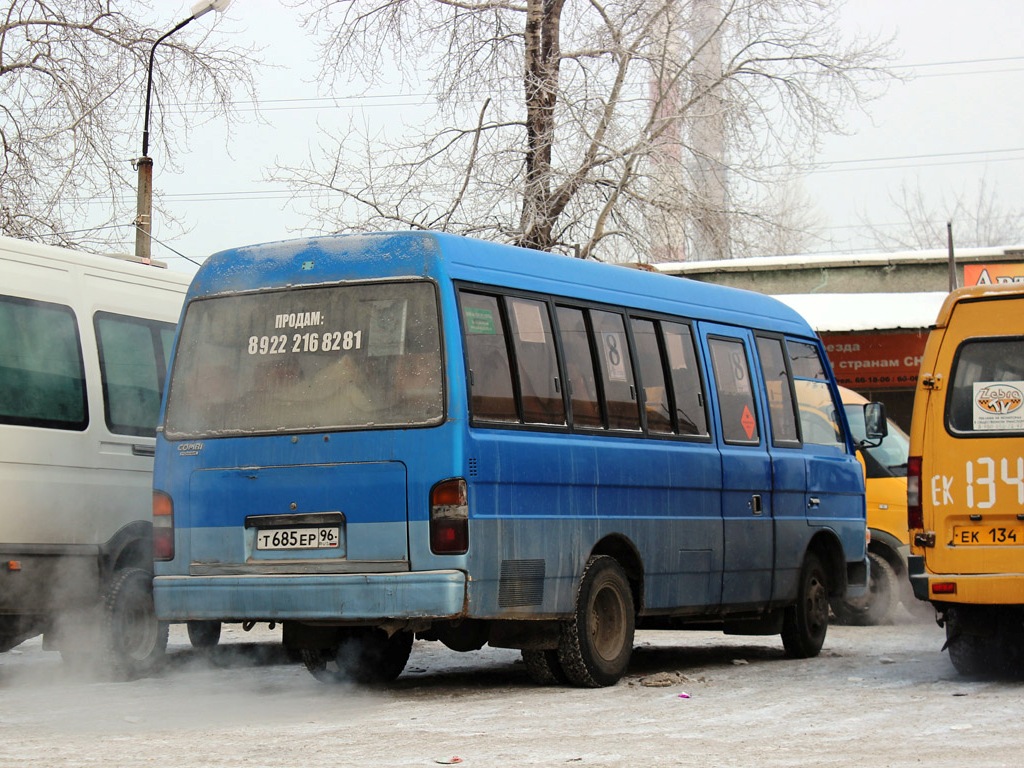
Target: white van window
[(42, 378), (133, 363)]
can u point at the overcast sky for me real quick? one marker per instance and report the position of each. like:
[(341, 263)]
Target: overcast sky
[(957, 122)]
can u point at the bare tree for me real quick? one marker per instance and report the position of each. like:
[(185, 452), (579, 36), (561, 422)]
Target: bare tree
[(978, 219), (70, 73), (556, 119)]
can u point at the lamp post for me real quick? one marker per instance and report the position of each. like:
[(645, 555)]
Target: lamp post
[(144, 201)]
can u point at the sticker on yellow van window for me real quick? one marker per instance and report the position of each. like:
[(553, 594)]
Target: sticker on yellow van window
[(998, 405)]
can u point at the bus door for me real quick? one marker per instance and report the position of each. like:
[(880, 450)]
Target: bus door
[(835, 485), (749, 545), (789, 462)]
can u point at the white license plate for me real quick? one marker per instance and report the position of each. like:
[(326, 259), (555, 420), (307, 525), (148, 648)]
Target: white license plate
[(321, 537)]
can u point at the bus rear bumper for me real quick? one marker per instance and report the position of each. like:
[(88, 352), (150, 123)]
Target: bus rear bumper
[(347, 597), (970, 589)]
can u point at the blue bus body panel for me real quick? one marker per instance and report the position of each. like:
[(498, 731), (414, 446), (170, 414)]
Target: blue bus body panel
[(539, 500)]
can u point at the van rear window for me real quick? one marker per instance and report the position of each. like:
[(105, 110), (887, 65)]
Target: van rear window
[(339, 357), (987, 395)]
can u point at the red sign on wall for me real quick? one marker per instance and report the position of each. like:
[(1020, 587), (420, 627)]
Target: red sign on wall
[(993, 274), (876, 359)]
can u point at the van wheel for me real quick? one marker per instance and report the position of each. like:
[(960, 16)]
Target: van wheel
[(596, 644), (804, 624), (977, 643), (361, 656), (544, 668), (134, 641), (876, 606), (203, 634)]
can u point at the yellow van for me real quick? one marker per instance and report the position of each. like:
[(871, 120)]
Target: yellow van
[(885, 465), (966, 477)]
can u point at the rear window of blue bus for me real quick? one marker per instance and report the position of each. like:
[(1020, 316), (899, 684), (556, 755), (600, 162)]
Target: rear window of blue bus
[(339, 357)]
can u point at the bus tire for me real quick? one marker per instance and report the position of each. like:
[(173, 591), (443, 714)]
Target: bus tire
[(977, 642), (596, 644), (134, 640), (806, 622), (366, 656), (877, 605), (203, 634), (543, 667)]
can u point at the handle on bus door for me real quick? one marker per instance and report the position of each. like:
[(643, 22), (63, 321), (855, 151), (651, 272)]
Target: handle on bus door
[(813, 502), (755, 504)]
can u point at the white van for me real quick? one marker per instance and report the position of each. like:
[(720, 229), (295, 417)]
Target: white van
[(84, 345)]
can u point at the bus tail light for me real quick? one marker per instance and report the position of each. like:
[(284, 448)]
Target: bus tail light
[(449, 518), (163, 526), (915, 513)]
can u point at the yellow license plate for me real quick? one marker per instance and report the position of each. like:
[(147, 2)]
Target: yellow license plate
[(987, 535)]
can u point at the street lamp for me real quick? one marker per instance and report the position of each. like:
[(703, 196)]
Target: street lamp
[(144, 207)]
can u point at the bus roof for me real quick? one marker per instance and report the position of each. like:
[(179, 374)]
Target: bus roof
[(976, 293), (336, 258)]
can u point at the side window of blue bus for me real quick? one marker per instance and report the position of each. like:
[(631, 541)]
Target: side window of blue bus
[(133, 364), (616, 370), (584, 398), (684, 372), (536, 361), (656, 395), (735, 391), (777, 382), (42, 375), (490, 374), (819, 419)]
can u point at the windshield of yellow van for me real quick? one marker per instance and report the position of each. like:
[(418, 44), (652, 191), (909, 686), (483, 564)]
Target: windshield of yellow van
[(308, 359)]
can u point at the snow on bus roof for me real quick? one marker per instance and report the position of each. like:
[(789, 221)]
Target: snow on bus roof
[(838, 312)]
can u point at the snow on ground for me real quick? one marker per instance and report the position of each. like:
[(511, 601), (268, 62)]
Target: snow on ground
[(878, 696)]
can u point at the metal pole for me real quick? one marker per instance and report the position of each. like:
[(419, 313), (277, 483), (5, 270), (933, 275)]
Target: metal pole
[(144, 201), (952, 258)]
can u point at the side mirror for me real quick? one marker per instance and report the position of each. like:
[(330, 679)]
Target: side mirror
[(876, 427)]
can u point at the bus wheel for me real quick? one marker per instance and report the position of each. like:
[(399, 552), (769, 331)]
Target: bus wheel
[(133, 638), (361, 656), (596, 644), (203, 634), (805, 623), (877, 604), (544, 668), (975, 643)]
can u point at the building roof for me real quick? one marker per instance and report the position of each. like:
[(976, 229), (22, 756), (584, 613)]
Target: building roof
[(803, 261), (841, 312)]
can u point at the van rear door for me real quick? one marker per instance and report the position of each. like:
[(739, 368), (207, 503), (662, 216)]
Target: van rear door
[(284, 404), (972, 458)]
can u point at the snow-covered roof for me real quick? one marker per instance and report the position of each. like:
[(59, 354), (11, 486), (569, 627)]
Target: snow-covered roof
[(837, 312), (802, 261)]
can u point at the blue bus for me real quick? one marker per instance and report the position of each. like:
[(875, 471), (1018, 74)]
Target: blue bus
[(375, 438)]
